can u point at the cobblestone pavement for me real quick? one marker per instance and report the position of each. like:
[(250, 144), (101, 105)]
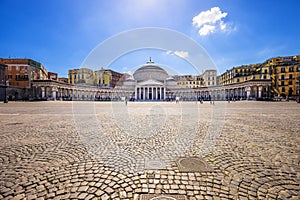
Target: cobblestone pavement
[(48, 152)]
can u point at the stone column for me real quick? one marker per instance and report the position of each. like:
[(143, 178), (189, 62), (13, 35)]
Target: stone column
[(140, 93), (248, 90), (156, 92), (54, 90), (144, 93), (135, 94), (259, 91), (147, 92), (43, 92), (164, 88), (160, 96), (152, 93), (61, 92)]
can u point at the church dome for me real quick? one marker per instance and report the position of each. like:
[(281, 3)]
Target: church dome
[(150, 71)]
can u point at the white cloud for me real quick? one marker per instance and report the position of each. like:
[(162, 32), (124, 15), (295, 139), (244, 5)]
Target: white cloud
[(223, 26), (209, 21), (181, 54), (206, 29)]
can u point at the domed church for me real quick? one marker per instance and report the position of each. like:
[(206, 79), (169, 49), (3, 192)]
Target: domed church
[(149, 82)]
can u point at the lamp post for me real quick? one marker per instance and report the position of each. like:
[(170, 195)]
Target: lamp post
[(299, 88), (5, 85)]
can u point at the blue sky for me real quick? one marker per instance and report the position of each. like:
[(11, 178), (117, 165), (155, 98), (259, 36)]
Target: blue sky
[(62, 33)]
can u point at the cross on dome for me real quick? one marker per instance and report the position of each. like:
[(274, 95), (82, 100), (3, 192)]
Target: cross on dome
[(150, 61)]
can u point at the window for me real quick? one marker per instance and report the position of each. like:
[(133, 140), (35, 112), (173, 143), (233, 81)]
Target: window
[(291, 76), (265, 77), (238, 80), (282, 83), (9, 76), (282, 70), (291, 69), (26, 76), (266, 71), (283, 89), (282, 77), (17, 76), (290, 82), (17, 68)]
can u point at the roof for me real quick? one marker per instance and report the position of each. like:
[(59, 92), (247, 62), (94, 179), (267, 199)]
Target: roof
[(150, 82)]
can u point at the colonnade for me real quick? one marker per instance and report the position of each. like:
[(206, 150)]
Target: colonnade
[(55, 90), (150, 93), (249, 92)]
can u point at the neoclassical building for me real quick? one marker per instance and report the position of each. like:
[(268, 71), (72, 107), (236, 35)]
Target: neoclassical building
[(149, 82)]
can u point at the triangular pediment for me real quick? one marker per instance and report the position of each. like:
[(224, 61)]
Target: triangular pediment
[(150, 82)]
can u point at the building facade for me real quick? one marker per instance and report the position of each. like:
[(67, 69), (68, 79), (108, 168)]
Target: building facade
[(149, 82), (109, 78), (189, 81), (210, 77), (284, 75), (82, 76), (20, 72), (19, 76), (276, 77), (52, 76), (63, 79)]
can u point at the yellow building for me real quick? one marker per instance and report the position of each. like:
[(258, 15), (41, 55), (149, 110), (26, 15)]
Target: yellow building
[(245, 73), (281, 73), (189, 81), (82, 76), (285, 75), (109, 78)]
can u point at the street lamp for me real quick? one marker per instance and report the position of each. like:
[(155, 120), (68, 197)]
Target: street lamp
[(5, 85), (5, 98), (3, 77), (298, 88)]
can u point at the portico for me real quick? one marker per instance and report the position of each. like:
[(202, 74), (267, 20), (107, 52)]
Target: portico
[(150, 90)]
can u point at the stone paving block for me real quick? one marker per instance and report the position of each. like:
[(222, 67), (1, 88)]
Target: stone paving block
[(253, 157)]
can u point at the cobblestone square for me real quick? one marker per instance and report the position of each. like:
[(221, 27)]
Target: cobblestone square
[(107, 150)]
